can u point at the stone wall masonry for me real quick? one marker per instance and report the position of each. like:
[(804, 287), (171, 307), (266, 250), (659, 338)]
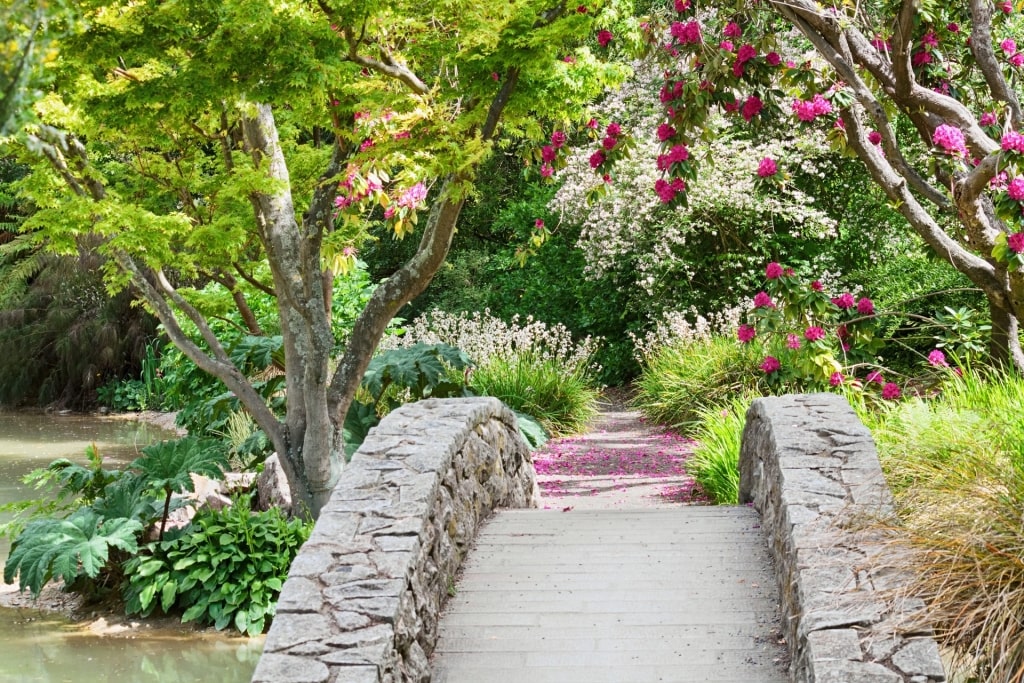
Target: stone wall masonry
[(811, 469), (363, 596)]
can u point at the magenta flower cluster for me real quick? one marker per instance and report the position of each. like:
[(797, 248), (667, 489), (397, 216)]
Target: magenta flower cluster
[(951, 139), (808, 110), (767, 168)]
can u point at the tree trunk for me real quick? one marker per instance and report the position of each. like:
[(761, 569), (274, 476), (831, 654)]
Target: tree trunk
[(1004, 344)]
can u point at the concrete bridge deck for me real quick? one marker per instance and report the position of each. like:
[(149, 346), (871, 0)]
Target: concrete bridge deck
[(614, 596)]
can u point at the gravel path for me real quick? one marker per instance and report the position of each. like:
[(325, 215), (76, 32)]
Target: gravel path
[(621, 462)]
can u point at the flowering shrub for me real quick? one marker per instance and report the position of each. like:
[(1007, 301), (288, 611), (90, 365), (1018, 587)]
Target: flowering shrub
[(810, 340)]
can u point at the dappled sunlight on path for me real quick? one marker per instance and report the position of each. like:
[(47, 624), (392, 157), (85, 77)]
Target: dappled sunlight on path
[(621, 462)]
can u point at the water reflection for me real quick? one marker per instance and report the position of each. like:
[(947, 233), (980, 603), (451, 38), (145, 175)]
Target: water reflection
[(46, 648)]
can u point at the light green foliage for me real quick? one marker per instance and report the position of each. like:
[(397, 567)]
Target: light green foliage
[(531, 430), (68, 548), (562, 398), (715, 463), (681, 381), (228, 570), (167, 466)]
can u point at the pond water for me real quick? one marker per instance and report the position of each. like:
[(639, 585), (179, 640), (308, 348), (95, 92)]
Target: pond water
[(46, 648)]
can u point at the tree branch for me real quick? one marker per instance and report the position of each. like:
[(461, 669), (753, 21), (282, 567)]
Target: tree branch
[(385, 65), (981, 46)]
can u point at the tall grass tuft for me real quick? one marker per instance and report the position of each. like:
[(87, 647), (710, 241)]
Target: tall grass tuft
[(680, 382), (562, 398), (715, 464), (956, 467)]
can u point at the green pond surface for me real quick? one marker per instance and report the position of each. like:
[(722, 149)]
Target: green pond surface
[(35, 646)]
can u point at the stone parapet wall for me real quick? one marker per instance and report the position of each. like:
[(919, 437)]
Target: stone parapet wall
[(811, 469), (363, 596)]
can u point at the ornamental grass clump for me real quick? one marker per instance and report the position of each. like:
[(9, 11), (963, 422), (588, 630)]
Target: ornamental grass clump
[(715, 464), (681, 381), (957, 471), (535, 368)]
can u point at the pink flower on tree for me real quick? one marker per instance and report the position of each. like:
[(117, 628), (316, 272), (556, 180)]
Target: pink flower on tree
[(875, 138), (836, 378), (762, 300), (770, 364), (773, 59), (930, 40), (767, 168), (557, 139), (413, 196), (686, 33), (746, 333), (546, 171), (938, 359), (678, 153), (1016, 188), (666, 132), (726, 45), (609, 142), (596, 159), (953, 27), (604, 37), (389, 213), (817, 286), (1009, 46), (875, 377), (1016, 242), (682, 5), (548, 153), (773, 271), (792, 341), (814, 334), (592, 124), (920, 58), (538, 224), (1006, 7), (751, 107), (890, 391), (613, 130), (987, 119), (844, 301), (1013, 142), (732, 30), (951, 139), (865, 306), (1017, 59)]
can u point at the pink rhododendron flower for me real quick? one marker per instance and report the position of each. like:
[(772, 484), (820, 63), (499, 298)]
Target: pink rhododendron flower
[(987, 119), (1017, 59), (998, 181), (727, 45), (546, 171), (1015, 242), (592, 124), (732, 30), (762, 300), (773, 271), (548, 153), (614, 129), (770, 364), (752, 107), (389, 213), (890, 391), (666, 132), (1009, 46), (875, 138), (569, 59), (865, 306), (604, 36), (367, 144), (1016, 188), (930, 40), (920, 58), (953, 27), (814, 334), (581, 9), (495, 76), (609, 142), (686, 33), (767, 168), (844, 301), (664, 190), (557, 139), (836, 378), (792, 341), (951, 139), (808, 110), (1013, 142), (678, 153), (746, 333), (538, 224), (413, 196), (817, 286), (682, 5), (938, 359), (1006, 7), (596, 159), (746, 53), (876, 377), (773, 59)]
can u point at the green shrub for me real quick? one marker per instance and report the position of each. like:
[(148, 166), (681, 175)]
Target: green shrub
[(681, 381), (715, 464), (955, 465), (227, 569), (561, 397)]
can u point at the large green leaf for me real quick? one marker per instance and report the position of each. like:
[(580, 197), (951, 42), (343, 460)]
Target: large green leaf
[(420, 368), (167, 465)]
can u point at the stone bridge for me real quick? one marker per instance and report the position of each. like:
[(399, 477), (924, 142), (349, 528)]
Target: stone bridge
[(363, 600)]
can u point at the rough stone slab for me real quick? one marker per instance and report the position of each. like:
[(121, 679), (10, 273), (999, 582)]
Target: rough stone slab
[(274, 668), (810, 468)]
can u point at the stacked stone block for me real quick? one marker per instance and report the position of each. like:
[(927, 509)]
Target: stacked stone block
[(363, 596), (811, 469)]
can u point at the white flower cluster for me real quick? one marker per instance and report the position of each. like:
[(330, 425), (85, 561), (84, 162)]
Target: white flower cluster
[(686, 326), (482, 337), (629, 232)]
